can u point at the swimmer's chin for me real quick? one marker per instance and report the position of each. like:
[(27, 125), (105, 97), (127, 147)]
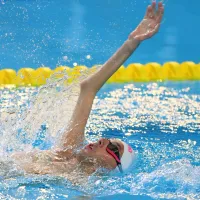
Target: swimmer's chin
[(84, 152), (87, 150)]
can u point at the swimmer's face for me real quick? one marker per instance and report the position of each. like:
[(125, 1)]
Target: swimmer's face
[(98, 152)]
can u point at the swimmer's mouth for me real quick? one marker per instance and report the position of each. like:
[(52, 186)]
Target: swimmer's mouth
[(89, 146)]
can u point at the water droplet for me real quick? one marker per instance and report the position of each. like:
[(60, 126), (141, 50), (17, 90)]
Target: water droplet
[(75, 64), (88, 57), (65, 58)]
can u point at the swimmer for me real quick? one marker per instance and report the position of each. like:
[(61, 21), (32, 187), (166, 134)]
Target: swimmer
[(106, 153)]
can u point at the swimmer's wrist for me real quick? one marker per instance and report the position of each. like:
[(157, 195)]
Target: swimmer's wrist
[(132, 43), (134, 39)]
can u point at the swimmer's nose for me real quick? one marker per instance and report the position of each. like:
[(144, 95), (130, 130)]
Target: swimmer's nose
[(102, 142)]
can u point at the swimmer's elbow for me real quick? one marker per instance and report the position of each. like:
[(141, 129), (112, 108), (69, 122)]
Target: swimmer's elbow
[(86, 87)]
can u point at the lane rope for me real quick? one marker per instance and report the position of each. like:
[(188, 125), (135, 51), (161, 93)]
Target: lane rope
[(134, 72)]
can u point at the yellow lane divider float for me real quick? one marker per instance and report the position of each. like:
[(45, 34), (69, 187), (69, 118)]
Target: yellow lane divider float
[(134, 72)]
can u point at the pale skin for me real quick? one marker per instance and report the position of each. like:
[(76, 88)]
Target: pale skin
[(64, 159)]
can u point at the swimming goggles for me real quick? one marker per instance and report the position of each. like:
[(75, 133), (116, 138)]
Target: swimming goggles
[(113, 150)]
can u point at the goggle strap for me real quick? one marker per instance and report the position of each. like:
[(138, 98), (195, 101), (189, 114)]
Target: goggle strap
[(120, 168), (112, 153)]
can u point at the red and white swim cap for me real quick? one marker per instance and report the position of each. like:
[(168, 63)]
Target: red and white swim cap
[(128, 157)]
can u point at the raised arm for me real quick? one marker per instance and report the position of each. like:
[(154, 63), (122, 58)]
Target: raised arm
[(146, 29), (74, 136)]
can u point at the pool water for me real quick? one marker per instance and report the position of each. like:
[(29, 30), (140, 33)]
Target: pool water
[(161, 121)]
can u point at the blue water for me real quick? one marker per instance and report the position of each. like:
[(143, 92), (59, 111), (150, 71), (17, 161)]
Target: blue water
[(161, 121), (43, 32)]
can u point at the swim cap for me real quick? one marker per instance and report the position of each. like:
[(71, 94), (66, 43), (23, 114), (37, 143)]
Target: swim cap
[(128, 157)]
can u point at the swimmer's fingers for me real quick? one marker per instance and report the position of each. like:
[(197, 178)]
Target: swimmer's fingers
[(150, 12), (160, 12), (153, 5)]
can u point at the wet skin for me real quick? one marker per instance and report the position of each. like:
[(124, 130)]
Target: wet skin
[(59, 161)]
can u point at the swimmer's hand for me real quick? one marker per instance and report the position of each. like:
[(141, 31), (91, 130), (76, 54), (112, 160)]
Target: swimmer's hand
[(149, 26)]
